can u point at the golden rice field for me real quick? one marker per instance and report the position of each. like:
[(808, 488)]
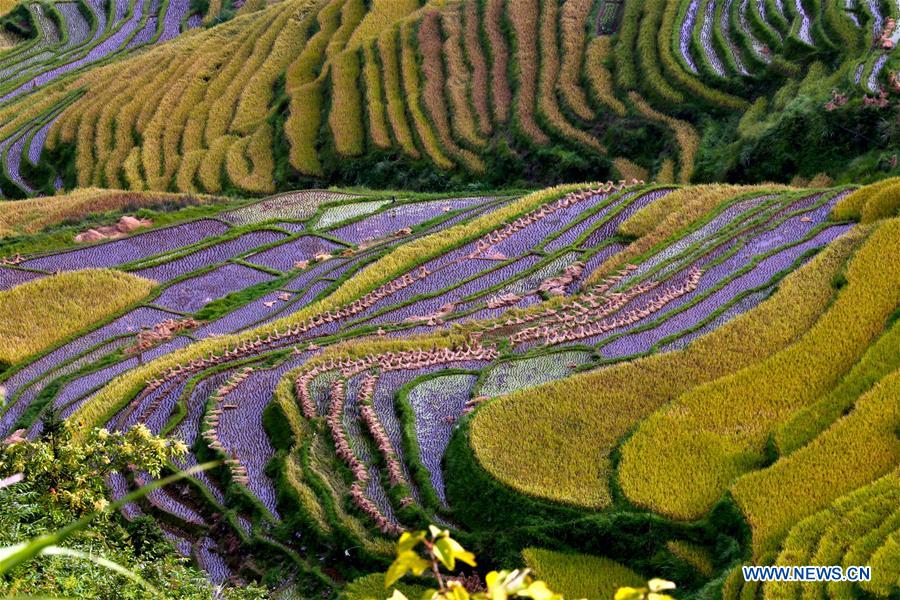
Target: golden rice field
[(306, 91), (37, 315)]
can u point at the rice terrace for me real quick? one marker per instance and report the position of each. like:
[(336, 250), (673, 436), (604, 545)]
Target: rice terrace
[(450, 299)]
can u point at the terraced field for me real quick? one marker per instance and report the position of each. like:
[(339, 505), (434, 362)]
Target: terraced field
[(340, 248), (426, 94), (669, 381)]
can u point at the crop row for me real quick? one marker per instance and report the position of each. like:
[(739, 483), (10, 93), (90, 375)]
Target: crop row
[(609, 402), (855, 530), (434, 84), (758, 397)]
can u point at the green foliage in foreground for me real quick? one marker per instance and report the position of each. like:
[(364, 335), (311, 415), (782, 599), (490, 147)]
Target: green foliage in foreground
[(45, 486), (434, 550), (72, 473)]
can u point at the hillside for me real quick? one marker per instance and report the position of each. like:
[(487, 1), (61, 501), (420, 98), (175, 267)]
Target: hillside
[(450, 94), (604, 382), (604, 289)]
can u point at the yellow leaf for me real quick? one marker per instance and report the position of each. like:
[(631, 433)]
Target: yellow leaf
[(629, 593), (408, 541), (659, 585), (406, 561)]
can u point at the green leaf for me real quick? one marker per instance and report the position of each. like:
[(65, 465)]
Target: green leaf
[(456, 592), (538, 590), (444, 553), (112, 566), (29, 550), (406, 562), (10, 550), (501, 584), (398, 595)]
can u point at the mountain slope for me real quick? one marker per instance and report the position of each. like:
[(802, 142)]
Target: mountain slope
[(488, 92)]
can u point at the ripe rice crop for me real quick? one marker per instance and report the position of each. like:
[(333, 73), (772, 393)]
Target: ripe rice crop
[(770, 391), (580, 575), (458, 78), (479, 84), (498, 51), (187, 171), (857, 449), (302, 127), (878, 361), (431, 47), (377, 116), (858, 522), (255, 95), (696, 556), (523, 15), (603, 405), (871, 203), (222, 116), (210, 172), (601, 80), (379, 17), (390, 66), (345, 117), (628, 170), (573, 24), (413, 95), (652, 48), (258, 174), (687, 138), (547, 80), (144, 125), (37, 314)]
